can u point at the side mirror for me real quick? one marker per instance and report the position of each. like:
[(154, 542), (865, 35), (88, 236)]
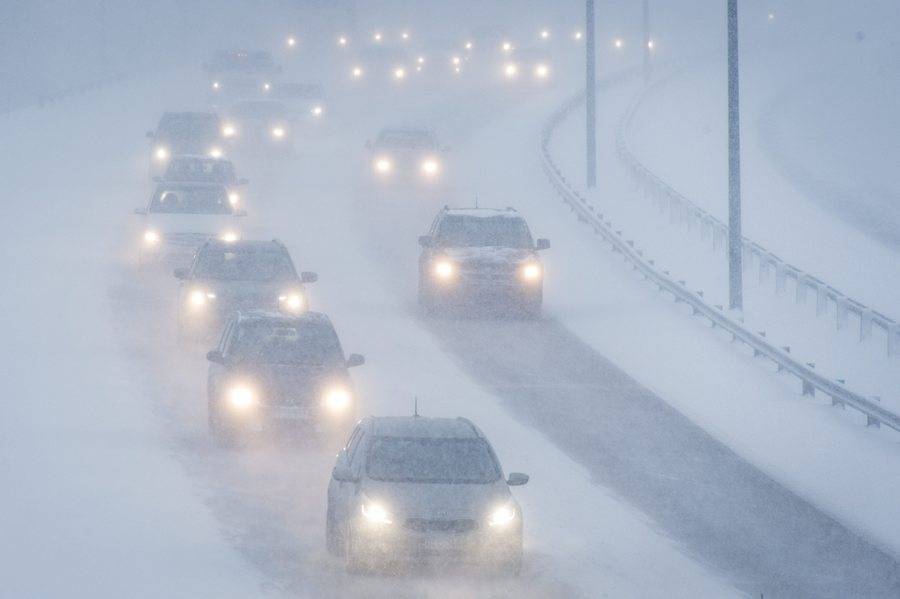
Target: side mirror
[(150, 134), (343, 474), (308, 277), (516, 479), (542, 244), (242, 182), (355, 360), (141, 211), (217, 357), (240, 213), (425, 241), (181, 273)]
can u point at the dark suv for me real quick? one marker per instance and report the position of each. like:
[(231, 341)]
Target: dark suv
[(272, 369), (184, 133), (479, 256), (239, 275)]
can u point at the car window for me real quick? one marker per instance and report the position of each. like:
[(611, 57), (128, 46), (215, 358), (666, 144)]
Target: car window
[(244, 264), (207, 171), (457, 230), (191, 200), (189, 125), (285, 342), (431, 460)]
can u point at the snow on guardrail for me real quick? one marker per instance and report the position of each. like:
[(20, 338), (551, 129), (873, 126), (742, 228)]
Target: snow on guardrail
[(683, 211), (810, 380)]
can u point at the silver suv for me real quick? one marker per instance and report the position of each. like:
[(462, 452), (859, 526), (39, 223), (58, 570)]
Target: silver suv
[(414, 488)]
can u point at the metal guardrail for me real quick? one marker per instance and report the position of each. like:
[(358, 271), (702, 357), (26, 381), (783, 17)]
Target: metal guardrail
[(684, 210), (43, 99), (781, 357)]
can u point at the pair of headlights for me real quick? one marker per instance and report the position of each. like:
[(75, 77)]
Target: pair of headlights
[(377, 514), (445, 270), (540, 71), (242, 397), (288, 302), (429, 167)]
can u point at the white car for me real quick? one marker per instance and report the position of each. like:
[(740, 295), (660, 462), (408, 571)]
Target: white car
[(180, 217)]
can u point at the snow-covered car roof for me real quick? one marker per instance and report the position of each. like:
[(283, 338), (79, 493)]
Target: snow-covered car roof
[(419, 426), (483, 212)]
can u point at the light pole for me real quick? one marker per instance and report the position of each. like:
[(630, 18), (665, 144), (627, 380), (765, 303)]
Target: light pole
[(590, 90), (646, 21), (735, 275)]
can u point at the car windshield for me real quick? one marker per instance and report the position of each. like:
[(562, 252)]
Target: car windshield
[(192, 126), (199, 169), (481, 231), (280, 342), (431, 460), (191, 200), (406, 140), (244, 264), (261, 110)]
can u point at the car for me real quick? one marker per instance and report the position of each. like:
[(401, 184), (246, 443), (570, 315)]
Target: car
[(402, 152), (303, 100), (180, 216), (204, 169), (531, 64), (481, 256), (381, 64), (414, 489), (184, 133), (227, 277), (260, 122), (273, 370), (240, 74)]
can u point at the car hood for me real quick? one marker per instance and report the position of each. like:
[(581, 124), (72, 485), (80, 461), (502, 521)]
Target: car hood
[(206, 224), (438, 501), (189, 145), (487, 257)]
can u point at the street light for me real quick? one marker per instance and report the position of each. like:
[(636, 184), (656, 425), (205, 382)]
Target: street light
[(735, 275), (590, 91)]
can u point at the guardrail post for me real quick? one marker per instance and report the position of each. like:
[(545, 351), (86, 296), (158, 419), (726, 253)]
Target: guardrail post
[(865, 325), (763, 269), (779, 278), (800, 292), (821, 299), (840, 313), (892, 333)]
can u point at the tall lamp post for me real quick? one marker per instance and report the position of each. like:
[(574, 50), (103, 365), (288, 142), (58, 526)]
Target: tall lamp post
[(735, 275), (590, 90), (646, 23)]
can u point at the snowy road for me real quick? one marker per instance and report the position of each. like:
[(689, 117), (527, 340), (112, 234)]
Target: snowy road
[(628, 497)]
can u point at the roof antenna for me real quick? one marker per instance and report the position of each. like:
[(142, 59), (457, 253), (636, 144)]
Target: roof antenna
[(415, 407), (476, 199)]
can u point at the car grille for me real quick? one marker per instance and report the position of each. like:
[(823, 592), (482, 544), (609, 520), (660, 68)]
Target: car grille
[(248, 301), (490, 276), (451, 526), (186, 240)]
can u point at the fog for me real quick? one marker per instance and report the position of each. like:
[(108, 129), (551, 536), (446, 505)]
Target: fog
[(299, 295)]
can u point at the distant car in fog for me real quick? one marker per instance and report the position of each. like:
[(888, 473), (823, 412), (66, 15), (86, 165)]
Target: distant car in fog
[(407, 153), (302, 100), (180, 216), (381, 65), (228, 276), (274, 370), (532, 65), (422, 489), (240, 74), (260, 123), (184, 133), (480, 257)]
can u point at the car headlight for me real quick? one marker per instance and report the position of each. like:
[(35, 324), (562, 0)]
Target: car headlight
[(267, 86), (502, 516), (316, 111), (229, 236), (430, 167), (198, 298), (541, 71), (228, 130), (215, 152), (337, 399), (216, 85), (383, 165), (161, 153), (278, 132), (151, 237), (511, 70), (292, 301), (531, 271), (443, 269), (399, 73), (356, 72), (375, 513), (233, 198), (241, 397)]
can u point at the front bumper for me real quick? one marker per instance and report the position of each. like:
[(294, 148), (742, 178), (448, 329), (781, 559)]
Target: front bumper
[(270, 417)]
